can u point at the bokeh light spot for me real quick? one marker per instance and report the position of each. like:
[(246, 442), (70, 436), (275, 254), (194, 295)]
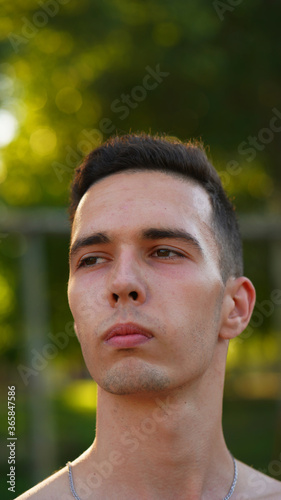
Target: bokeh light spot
[(8, 127), (81, 395), (48, 41), (68, 100), (38, 101), (6, 84), (67, 43), (22, 190), (43, 141)]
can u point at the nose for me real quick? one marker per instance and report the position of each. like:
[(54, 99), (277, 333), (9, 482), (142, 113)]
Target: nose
[(126, 284)]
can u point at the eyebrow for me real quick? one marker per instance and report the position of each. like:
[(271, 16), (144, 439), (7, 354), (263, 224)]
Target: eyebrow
[(147, 234), (175, 234), (92, 239)]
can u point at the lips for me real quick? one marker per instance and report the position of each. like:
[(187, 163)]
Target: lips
[(127, 335)]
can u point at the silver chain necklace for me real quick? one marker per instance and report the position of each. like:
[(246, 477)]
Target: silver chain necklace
[(73, 491)]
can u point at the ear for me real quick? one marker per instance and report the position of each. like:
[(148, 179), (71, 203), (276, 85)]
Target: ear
[(238, 304)]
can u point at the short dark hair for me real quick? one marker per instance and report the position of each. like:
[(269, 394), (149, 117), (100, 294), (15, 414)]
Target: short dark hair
[(170, 155)]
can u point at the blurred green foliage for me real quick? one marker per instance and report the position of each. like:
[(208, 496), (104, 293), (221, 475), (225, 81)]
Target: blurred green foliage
[(62, 78)]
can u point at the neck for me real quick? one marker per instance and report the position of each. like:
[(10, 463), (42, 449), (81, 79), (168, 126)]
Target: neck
[(168, 444)]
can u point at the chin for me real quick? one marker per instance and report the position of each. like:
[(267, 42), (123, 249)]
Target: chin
[(124, 381)]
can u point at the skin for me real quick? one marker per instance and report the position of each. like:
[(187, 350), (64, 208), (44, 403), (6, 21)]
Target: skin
[(159, 432)]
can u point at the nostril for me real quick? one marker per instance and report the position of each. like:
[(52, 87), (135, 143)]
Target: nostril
[(134, 295), (115, 296)]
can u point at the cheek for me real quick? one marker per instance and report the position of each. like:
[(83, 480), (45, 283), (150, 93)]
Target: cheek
[(193, 308), (85, 315), (188, 293), (84, 300)]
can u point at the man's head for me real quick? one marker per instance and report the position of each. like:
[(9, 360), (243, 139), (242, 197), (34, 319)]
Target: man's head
[(144, 251), (189, 161)]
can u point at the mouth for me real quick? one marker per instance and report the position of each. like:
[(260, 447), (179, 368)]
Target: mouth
[(126, 335)]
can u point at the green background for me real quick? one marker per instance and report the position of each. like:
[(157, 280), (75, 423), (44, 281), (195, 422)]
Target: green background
[(65, 68)]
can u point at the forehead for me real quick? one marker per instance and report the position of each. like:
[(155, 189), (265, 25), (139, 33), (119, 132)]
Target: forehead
[(133, 200)]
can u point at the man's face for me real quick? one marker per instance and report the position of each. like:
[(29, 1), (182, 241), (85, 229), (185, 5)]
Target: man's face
[(169, 284)]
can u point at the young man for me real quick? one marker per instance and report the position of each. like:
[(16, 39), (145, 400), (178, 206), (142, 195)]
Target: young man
[(157, 290)]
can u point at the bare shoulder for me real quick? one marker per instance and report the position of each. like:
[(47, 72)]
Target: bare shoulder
[(254, 485), (55, 487)]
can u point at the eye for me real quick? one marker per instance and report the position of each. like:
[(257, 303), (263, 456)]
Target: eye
[(166, 253), (89, 261)]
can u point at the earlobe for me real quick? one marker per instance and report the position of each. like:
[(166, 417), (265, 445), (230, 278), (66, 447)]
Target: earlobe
[(239, 301)]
